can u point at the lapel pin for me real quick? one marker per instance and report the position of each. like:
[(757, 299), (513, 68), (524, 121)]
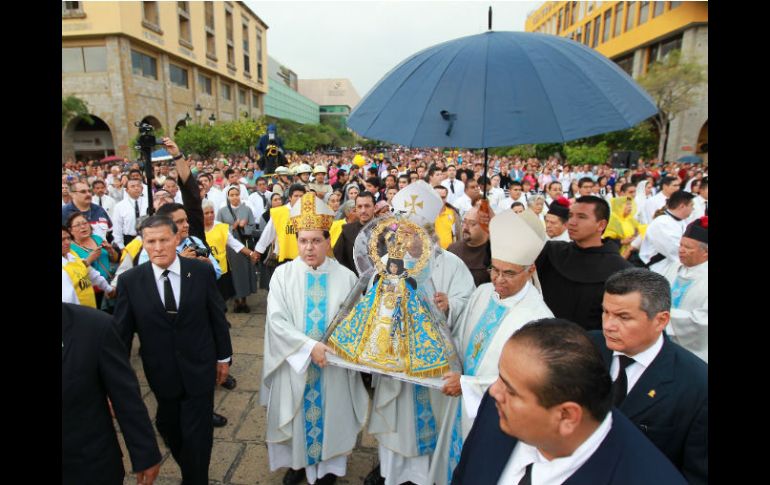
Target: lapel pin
[(651, 393), (188, 275)]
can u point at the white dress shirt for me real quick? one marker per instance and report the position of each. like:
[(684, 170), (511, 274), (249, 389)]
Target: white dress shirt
[(175, 277), (641, 362), (459, 189), (662, 237), (257, 204), (68, 294), (124, 220), (105, 201), (463, 204), (558, 470)]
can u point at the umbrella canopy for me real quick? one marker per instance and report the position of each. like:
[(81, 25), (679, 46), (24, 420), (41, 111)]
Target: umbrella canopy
[(690, 159), (111, 158), (161, 155), (498, 89)]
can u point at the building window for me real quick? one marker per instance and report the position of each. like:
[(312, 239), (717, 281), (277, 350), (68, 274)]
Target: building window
[(151, 17), (644, 10), (669, 45), (254, 100), (597, 29), (84, 59), (246, 58), (618, 19), (607, 26), (205, 83), (211, 44), (673, 4), (658, 8), (144, 65), (229, 38), (630, 16), (573, 10), (178, 76), (652, 56), (558, 21), (242, 96), (72, 10), (259, 56), (185, 34), (226, 92), (587, 36), (626, 63)]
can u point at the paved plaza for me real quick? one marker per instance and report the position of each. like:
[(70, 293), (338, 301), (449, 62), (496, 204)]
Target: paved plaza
[(240, 453)]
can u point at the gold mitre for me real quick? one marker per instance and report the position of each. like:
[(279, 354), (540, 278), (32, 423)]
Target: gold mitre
[(311, 214)]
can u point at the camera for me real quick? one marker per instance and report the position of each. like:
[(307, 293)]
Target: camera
[(200, 250), (147, 138)]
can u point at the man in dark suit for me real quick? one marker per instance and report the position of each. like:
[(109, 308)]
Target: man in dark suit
[(343, 250), (663, 387), (173, 304), (547, 419), (95, 367)]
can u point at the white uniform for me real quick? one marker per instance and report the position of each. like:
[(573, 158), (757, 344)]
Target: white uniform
[(662, 237), (689, 325), (394, 421), (480, 342), (124, 220), (313, 415), (457, 185)]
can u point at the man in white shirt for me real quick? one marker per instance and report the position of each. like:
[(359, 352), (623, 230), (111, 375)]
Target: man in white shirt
[(208, 191), (669, 185), (548, 419), (516, 194), (127, 212), (701, 201), (101, 198), (465, 202), (260, 199), (170, 186), (552, 192), (660, 246), (456, 187)]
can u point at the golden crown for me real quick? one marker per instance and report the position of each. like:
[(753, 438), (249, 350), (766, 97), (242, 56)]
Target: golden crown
[(309, 219)]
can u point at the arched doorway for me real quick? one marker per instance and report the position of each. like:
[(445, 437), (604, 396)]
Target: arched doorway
[(90, 141), (180, 124)]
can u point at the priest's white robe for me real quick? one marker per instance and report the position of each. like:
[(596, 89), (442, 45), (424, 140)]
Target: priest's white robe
[(689, 324), (295, 298), (394, 418), (519, 309)]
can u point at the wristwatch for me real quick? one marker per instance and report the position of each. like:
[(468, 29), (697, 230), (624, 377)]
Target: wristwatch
[(178, 156)]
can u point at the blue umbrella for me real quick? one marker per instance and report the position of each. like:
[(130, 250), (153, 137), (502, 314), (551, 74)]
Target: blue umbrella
[(499, 89), (690, 159), (161, 155)]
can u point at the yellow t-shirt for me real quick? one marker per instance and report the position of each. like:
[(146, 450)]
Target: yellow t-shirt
[(78, 273), (284, 233), (444, 223), (336, 230), (217, 241)]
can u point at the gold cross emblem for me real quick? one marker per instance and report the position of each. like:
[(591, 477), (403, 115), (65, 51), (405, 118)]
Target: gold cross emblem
[(413, 204)]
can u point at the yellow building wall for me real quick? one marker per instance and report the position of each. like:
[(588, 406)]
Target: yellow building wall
[(114, 18), (669, 21)]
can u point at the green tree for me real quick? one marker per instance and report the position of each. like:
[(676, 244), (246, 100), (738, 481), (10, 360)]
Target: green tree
[(590, 154), (674, 84), (73, 107)]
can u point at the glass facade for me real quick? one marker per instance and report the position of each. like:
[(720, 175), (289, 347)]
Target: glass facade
[(283, 102)]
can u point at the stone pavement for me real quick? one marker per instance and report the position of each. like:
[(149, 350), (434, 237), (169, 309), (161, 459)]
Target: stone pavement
[(240, 453)]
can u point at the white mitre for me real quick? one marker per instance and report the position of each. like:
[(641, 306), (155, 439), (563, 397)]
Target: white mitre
[(418, 202), (517, 239)]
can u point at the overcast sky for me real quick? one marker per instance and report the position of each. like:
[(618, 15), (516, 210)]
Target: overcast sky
[(363, 40)]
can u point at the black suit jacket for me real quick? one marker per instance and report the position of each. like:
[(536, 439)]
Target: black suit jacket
[(343, 250), (625, 457), (95, 367), (675, 416), (180, 353)]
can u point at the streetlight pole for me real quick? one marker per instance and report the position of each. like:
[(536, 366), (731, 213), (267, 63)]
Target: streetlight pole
[(198, 112)]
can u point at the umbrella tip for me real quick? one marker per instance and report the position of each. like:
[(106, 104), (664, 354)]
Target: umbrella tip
[(490, 17)]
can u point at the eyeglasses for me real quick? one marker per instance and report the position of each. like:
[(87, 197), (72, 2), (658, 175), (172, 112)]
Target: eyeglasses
[(507, 274), (313, 242), (80, 224)]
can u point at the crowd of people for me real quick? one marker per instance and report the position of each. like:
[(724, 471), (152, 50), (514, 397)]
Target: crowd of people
[(576, 297)]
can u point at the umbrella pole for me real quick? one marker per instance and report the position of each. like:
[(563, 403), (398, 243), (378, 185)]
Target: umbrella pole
[(484, 206)]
